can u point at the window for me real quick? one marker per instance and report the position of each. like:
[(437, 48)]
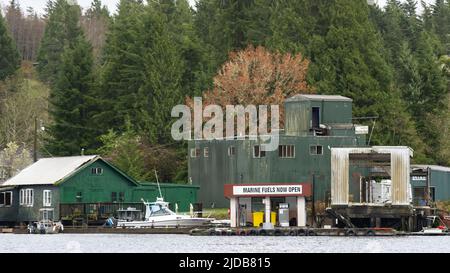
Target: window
[(46, 214), (206, 152), (231, 151), (47, 194), (96, 171), (121, 197), (195, 152), (286, 151), (257, 152), (79, 196), (26, 197), (6, 199), (21, 197), (114, 197), (316, 150)]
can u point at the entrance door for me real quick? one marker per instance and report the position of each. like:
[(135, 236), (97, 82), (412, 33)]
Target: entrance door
[(315, 117)]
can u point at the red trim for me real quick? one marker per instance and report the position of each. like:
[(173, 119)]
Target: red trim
[(306, 189)]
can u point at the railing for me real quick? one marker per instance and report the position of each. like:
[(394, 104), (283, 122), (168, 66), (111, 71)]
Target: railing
[(94, 211)]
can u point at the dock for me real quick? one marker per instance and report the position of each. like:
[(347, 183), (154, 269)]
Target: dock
[(308, 232)]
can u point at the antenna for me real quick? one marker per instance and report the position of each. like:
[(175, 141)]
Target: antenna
[(157, 181)]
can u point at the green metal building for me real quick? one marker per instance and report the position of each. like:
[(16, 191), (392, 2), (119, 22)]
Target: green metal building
[(80, 186), (313, 125), (432, 181)]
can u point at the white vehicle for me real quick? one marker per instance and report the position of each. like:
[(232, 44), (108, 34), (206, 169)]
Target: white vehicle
[(158, 215)]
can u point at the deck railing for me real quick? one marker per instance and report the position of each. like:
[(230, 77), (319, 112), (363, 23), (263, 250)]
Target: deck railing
[(95, 211)]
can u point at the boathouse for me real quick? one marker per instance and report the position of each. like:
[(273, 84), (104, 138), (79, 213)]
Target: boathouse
[(313, 125), (80, 188)]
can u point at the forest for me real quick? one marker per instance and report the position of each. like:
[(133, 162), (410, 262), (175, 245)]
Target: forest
[(90, 81)]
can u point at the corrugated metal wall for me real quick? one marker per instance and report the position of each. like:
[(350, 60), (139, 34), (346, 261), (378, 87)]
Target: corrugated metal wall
[(339, 176)]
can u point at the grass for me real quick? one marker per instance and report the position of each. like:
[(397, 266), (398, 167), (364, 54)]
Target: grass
[(219, 214)]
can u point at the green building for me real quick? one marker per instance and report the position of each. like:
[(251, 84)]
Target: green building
[(86, 187), (432, 181), (313, 125)]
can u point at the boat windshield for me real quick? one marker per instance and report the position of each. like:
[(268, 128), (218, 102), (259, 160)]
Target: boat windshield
[(158, 210)]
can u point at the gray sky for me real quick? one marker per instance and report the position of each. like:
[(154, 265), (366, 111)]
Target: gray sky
[(39, 5)]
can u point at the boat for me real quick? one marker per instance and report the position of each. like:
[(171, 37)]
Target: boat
[(45, 227), (158, 215), (435, 225)]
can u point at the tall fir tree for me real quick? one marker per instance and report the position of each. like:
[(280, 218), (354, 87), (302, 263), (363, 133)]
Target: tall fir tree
[(71, 95), (122, 74), (9, 56), (59, 33)]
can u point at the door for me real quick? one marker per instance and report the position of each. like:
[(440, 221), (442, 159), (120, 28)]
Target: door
[(315, 117)]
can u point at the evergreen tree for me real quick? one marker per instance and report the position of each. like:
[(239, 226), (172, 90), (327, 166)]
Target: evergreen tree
[(240, 23), (163, 66), (9, 56), (71, 97), (62, 30), (122, 74), (197, 71)]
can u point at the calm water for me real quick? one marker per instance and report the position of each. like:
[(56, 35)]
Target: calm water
[(100, 243)]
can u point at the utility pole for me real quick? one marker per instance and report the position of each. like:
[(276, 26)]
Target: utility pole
[(35, 139)]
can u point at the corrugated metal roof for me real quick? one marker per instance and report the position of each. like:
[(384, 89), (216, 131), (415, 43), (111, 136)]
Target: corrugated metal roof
[(48, 171), (433, 167), (302, 97)]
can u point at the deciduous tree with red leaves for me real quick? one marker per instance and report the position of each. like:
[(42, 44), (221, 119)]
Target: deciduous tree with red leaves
[(259, 77)]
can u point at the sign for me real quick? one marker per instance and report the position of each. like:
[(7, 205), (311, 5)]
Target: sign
[(361, 130), (419, 178), (252, 190)]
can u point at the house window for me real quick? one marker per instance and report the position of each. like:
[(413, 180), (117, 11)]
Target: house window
[(231, 151), (316, 150), (26, 197), (114, 197), (96, 171), (6, 199), (257, 152), (206, 152), (121, 197), (286, 151), (79, 196), (195, 152), (47, 198)]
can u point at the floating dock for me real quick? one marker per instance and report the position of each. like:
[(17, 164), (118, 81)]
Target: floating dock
[(308, 232)]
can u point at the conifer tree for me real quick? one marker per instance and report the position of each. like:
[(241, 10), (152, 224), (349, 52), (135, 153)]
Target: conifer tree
[(9, 56), (59, 33), (71, 95)]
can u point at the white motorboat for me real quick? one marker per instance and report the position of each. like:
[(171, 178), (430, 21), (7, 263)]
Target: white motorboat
[(45, 227), (158, 215)]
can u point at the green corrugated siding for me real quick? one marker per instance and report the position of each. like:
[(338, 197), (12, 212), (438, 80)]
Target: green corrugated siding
[(95, 188), (212, 173), (441, 181)]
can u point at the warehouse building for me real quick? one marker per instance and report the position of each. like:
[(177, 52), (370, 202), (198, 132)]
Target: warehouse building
[(313, 125), (82, 188)]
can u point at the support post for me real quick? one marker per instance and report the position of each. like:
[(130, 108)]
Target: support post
[(301, 212), (233, 212), (267, 224)]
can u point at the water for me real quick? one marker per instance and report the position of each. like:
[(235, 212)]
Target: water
[(123, 243)]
